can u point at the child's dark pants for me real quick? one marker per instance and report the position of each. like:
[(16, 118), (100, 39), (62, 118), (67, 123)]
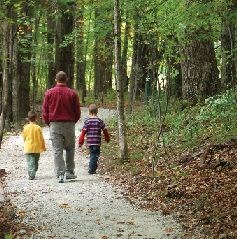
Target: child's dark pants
[(94, 156)]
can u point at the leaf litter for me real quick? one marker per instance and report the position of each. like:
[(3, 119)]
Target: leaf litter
[(200, 187)]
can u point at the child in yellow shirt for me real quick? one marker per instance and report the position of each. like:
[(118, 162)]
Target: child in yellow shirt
[(34, 144)]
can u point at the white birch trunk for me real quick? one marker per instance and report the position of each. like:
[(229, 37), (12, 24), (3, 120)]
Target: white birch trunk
[(123, 148)]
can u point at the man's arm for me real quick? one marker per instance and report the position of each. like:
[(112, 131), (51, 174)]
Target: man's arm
[(77, 107)]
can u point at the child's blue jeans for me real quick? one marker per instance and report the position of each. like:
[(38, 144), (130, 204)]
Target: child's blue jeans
[(94, 157)]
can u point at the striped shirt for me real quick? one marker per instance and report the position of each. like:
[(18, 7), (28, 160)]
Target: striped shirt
[(92, 128)]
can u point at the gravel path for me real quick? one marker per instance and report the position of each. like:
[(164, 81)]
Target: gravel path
[(85, 208)]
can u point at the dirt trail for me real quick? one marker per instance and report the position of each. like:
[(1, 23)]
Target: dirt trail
[(85, 208)]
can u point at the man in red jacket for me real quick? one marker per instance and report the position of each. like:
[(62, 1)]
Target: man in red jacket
[(61, 110)]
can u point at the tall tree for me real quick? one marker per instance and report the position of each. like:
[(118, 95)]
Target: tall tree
[(200, 75), (14, 72), (50, 46), (228, 45), (5, 27), (123, 148), (64, 49), (103, 49), (24, 58), (199, 70), (139, 69), (81, 51), (135, 72), (125, 54), (33, 61)]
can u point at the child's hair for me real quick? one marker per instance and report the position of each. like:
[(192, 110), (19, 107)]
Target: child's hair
[(31, 116), (93, 109), (61, 76)]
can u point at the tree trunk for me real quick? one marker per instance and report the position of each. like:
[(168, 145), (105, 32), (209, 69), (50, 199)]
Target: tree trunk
[(33, 64), (97, 79), (139, 70), (1, 86), (64, 52), (50, 40), (135, 70), (228, 64), (81, 54), (199, 70), (24, 57), (123, 148), (5, 64), (103, 60), (124, 56), (14, 76)]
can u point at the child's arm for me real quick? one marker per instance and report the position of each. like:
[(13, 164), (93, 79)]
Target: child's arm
[(81, 138), (106, 135)]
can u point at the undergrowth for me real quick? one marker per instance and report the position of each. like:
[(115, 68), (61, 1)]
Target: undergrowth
[(194, 172), (214, 121)]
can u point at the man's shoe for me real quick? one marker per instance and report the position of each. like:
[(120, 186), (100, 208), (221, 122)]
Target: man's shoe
[(61, 178), (31, 177), (70, 176)]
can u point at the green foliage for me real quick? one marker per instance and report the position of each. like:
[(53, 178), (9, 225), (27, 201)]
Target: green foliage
[(110, 96), (216, 120), (8, 236), (105, 99), (217, 107), (179, 173), (91, 99), (68, 39), (141, 118)]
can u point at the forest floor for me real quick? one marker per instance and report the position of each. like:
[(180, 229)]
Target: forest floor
[(199, 186)]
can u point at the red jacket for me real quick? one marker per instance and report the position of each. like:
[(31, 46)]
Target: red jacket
[(61, 104)]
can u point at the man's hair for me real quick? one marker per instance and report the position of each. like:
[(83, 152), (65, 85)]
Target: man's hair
[(93, 109), (61, 76), (31, 115)]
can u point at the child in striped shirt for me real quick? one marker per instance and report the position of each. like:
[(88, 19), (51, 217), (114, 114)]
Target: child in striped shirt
[(92, 129)]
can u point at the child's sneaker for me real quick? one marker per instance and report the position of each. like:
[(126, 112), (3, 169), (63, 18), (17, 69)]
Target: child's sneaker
[(61, 178), (92, 172), (31, 177)]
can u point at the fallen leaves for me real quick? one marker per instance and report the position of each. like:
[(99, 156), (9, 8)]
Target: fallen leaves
[(104, 237), (8, 225), (201, 188), (64, 205)]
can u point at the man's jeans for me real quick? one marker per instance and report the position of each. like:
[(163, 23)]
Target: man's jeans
[(32, 163), (62, 135), (94, 156)]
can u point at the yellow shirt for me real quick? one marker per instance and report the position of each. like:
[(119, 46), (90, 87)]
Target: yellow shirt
[(33, 138)]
